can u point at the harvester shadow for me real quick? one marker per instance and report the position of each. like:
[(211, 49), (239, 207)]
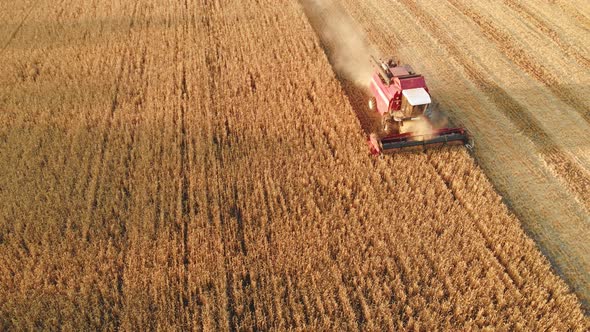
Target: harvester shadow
[(370, 121)]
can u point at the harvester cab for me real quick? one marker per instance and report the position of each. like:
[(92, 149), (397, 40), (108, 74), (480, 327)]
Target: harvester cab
[(401, 98), (415, 102)]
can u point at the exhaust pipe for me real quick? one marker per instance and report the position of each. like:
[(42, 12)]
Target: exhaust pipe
[(383, 69)]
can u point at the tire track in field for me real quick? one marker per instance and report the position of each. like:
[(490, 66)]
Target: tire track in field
[(32, 8), (510, 279), (95, 167), (549, 32), (184, 208), (498, 254), (99, 163), (486, 241), (404, 243), (519, 56), (328, 19), (17, 30), (214, 66), (215, 157), (129, 165), (132, 67), (575, 178), (184, 212), (126, 186)]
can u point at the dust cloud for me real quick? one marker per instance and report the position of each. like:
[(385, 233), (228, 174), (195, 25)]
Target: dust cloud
[(419, 127), (343, 41)]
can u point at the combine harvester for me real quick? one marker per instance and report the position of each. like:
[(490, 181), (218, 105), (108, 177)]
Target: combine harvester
[(401, 98)]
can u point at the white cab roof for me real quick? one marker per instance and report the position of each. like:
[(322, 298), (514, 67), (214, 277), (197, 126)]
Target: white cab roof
[(417, 96)]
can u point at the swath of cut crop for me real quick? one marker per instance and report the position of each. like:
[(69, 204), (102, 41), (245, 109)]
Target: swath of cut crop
[(569, 9), (549, 32), (509, 47), (577, 179)]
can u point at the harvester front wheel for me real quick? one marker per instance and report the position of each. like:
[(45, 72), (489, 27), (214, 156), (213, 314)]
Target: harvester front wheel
[(372, 103), (385, 124), (470, 145)]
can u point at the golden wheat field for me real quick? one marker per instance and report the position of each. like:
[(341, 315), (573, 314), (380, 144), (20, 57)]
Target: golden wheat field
[(202, 165)]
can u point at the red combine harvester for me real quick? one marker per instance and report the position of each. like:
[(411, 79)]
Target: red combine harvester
[(402, 99)]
